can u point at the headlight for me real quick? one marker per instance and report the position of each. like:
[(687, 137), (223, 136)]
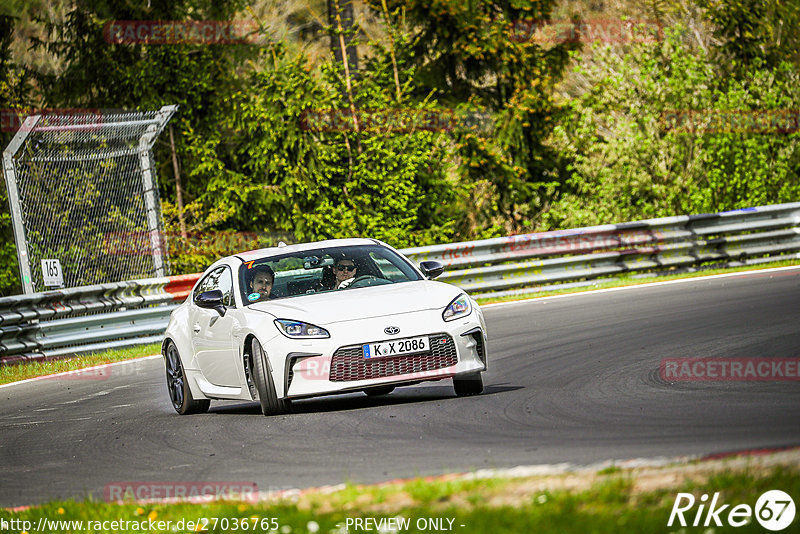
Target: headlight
[(298, 329), (460, 307)]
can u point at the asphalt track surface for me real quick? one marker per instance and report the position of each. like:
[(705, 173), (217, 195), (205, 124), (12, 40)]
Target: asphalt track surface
[(573, 379)]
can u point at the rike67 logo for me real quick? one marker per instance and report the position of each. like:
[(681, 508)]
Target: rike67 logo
[(774, 510)]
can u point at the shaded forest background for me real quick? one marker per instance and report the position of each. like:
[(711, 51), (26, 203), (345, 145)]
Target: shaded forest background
[(537, 131)]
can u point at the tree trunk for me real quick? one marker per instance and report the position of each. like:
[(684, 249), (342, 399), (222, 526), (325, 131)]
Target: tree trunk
[(178, 189), (344, 10)]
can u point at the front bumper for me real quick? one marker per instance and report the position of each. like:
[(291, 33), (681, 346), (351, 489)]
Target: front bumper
[(460, 349)]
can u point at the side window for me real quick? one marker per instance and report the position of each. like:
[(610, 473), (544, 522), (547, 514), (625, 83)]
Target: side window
[(388, 269), (221, 279), (226, 286), (206, 284)]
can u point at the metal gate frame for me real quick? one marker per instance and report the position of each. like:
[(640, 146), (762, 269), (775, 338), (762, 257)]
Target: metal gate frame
[(145, 156)]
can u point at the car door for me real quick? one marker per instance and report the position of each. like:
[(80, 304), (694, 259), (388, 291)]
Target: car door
[(212, 334)]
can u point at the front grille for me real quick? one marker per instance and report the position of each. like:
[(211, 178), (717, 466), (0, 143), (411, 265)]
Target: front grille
[(349, 364)]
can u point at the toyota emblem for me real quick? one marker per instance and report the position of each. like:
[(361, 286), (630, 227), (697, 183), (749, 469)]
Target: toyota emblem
[(391, 330)]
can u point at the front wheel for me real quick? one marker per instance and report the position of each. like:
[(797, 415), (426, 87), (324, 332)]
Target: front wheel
[(178, 387), (262, 377), (468, 385)]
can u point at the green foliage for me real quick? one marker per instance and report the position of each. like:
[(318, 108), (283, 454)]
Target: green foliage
[(754, 33), (467, 55), (632, 161), (13, 85), (282, 174), (197, 77)]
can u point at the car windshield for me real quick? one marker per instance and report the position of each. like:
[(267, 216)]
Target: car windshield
[(321, 270)]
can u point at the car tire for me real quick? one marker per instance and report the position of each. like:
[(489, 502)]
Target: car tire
[(380, 390), (468, 385), (178, 387), (267, 395)]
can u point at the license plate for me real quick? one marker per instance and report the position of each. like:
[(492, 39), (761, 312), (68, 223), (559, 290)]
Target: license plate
[(396, 347)]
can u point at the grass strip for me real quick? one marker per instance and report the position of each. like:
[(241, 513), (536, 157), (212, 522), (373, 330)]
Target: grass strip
[(602, 503), (21, 371)]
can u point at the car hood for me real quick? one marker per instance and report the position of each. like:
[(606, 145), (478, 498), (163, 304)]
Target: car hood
[(361, 303)]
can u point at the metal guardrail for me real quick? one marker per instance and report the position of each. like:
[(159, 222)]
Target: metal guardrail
[(41, 326), (87, 319), (491, 265)]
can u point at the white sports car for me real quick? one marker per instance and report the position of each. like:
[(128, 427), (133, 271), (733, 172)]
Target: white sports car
[(299, 321)]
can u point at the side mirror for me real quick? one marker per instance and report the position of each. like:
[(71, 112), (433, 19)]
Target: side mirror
[(211, 300), (431, 269)]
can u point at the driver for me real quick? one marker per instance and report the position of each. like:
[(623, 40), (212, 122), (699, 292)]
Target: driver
[(345, 271), (261, 279)]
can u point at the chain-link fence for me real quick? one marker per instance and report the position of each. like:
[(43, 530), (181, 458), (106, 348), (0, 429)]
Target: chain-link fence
[(77, 182)]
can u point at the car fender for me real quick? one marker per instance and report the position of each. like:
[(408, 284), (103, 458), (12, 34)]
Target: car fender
[(260, 326), (177, 331)]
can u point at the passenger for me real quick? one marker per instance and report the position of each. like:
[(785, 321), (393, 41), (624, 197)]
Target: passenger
[(261, 279)]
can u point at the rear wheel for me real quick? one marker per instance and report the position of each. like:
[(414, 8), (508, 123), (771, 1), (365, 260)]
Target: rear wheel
[(178, 387), (262, 377), (468, 385), (381, 390)]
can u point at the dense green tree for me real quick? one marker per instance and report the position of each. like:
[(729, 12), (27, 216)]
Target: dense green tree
[(100, 73), (300, 164), (754, 33), (200, 77), (13, 93), (481, 55), (661, 134)]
